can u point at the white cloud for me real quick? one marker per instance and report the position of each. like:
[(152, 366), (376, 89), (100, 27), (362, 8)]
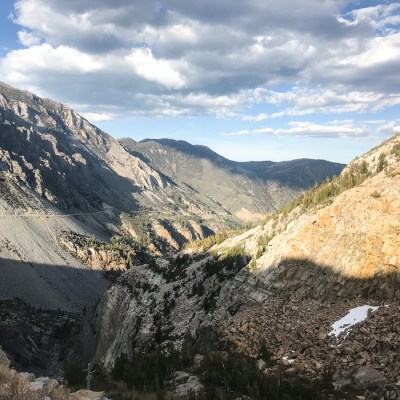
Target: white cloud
[(378, 50), (164, 72), (336, 99), (98, 117), (377, 16), (332, 129), (389, 127), (28, 39), (47, 58), (221, 58)]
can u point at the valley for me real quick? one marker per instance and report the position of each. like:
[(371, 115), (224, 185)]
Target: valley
[(182, 274)]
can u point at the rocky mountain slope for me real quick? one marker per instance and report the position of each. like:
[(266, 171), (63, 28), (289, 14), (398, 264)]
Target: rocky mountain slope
[(33, 265), (247, 190), (79, 168), (59, 173), (277, 288)]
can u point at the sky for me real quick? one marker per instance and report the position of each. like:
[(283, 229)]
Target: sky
[(253, 80)]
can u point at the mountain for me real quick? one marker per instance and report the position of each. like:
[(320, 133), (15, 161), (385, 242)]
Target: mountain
[(248, 190), (81, 211), (80, 169), (276, 292)]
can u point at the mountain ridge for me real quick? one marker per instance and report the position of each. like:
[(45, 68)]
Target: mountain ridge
[(244, 188)]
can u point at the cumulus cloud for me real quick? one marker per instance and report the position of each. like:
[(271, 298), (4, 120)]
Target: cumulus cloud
[(176, 57), (162, 71)]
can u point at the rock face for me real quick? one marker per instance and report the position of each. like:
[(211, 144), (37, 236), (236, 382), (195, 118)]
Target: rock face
[(97, 255), (68, 161), (152, 304), (87, 395)]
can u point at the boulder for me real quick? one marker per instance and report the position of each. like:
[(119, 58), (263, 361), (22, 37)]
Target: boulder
[(368, 378), (198, 360), (44, 384), (84, 394), (184, 384), (27, 376)]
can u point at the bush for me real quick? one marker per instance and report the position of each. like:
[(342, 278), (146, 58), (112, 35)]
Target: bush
[(396, 151), (382, 163), (375, 194)]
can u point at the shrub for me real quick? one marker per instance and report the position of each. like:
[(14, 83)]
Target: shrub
[(382, 163), (375, 194), (396, 151)]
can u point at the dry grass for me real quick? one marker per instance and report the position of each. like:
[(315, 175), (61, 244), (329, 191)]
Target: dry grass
[(18, 389), (5, 375)]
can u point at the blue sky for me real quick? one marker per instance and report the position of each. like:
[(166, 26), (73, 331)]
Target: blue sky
[(251, 80)]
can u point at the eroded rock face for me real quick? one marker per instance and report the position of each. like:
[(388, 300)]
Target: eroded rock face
[(76, 167), (97, 255)]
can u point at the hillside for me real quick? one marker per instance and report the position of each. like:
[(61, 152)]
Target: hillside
[(33, 265), (247, 190), (274, 292)]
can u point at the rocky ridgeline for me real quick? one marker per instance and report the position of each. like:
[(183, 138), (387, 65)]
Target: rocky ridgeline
[(246, 190), (293, 337)]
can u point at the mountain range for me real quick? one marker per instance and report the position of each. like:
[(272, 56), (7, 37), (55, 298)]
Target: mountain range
[(136, 256), (59, 173)]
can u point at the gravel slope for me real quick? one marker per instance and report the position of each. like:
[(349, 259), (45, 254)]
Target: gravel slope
[(33, 266)]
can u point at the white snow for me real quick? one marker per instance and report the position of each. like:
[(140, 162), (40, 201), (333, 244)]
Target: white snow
[(290, 360), (354, 316)]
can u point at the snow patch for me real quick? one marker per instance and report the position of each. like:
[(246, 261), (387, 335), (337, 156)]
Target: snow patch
[(353, 317), (289, 360)]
